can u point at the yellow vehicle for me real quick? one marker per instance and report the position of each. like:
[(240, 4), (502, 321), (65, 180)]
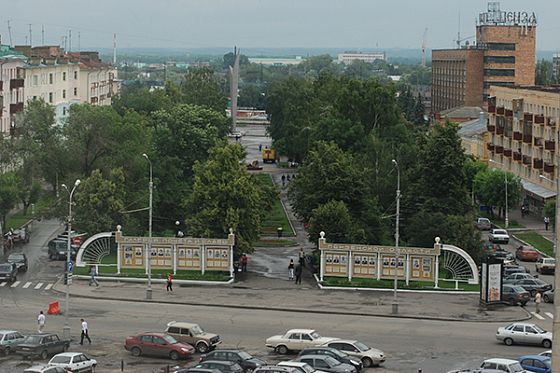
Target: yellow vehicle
[(269, 155)]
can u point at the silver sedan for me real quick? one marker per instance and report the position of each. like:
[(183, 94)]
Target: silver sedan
[(524, 333)]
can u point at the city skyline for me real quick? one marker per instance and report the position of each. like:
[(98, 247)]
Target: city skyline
[(358, 24)]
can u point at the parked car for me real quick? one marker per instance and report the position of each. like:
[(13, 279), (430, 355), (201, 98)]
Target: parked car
[(58, 249), (513, 295), (523, 333), (535, 363), (245, 360), (527, 254), (194, 335), (158, 344), (513, 268), (8, 339), (547, 353), (74, 362), (327, 364), (279, 369), (296, 340), (197, 370), (42, 345), (518, 276), (545, 265), (301, 366), (44, 369), (8, 272), (548, 296), (507, 257), (498, 235), (503, 365), (483, 224), (339, 355), (20, 260), (368, 355), (221, 365), (532, 285)]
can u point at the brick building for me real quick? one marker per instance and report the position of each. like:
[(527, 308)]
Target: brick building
[(503, 55)]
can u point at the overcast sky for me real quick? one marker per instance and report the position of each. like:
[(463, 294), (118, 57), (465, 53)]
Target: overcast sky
[(365, 24)]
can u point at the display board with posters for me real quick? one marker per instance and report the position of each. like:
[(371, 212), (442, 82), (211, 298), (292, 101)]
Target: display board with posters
[(388, 266), (421, 268), (491, 281), (336, 264), (132, 256), (364, 265), (217, 258), (162, 256), (188, 257)]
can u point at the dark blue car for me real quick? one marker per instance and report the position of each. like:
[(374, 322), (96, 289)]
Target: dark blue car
[(535, 363)]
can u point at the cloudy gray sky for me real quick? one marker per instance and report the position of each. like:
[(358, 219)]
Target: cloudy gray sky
[(261, 23)]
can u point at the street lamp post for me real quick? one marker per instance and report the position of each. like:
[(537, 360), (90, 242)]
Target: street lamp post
[(66, 329), (149, 258), (397, 249), (506, 186)]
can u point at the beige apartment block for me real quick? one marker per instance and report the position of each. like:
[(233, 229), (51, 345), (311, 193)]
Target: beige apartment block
[(524, 134), (11, 89)]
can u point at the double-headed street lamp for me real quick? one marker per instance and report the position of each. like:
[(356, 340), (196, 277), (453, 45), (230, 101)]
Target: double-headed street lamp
[(66, 329), (397, 249), (149, 258), (506, 186)]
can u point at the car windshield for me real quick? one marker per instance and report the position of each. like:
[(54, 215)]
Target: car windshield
[(499, 231), (518, 289), (5, 267), (196, 330), (539, 329), (15, 257), (169, 339), (516, 367), (331, 361), (361, 346), (315, 335), (244, 355), (550, 261), (33, 339), (307, 368), (60, 360)]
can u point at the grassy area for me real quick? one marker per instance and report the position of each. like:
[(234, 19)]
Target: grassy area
[(275, 243), (18, 219), (388, 284), (501, 222), (41, 207), (157, 273), (538, 241), (276, 217)]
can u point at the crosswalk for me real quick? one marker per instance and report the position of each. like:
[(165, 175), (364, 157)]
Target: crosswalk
[(29, 285), (541, 317)]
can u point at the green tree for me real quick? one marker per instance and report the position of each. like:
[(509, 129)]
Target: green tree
[(225, 196), (544, 73), (229, 59), (200, 87), (251, 96), (550, 211), (490, 186), (8, 195), (332, 218)]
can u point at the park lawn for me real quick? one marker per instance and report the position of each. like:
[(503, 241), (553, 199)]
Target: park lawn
[(538, 241), (275, 243), (41, 207), (276, 217), (388, 284), (157, 273)]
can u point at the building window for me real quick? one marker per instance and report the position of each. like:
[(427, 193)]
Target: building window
[(499, 59), (75, 91), (63, 93), (501, 46), (75, 74), (64, 75), (50, 78), (487, 84), (499, 72), (35, 80), (50, 97)]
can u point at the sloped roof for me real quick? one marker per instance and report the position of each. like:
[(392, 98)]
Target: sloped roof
[(472, 128), (462, 112)]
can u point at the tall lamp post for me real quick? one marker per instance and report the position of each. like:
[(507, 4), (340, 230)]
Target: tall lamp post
[(397, 249), (66, 329), (149, 258), (506, 186)]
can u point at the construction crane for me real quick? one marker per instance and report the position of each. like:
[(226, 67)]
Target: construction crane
[(424, 44)]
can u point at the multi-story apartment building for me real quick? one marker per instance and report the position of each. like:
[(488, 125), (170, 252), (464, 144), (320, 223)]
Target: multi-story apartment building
[(503, 55), (96, 79), (524, 135), (556, 65), (349, 57), (11, 87)]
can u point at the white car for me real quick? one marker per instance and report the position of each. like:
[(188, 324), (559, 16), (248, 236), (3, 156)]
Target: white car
[(547, 353), (498, 235), (303, 367), (44, 369), (524, 334), (296, 340), (503, 365), (545, 265), (75, 361), (369, 356)]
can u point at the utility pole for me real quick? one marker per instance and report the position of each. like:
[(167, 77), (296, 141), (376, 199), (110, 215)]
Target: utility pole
[(395, 308), (234, 85)]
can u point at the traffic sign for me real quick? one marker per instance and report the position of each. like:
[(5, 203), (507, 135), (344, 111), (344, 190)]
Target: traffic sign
[(69, 267)]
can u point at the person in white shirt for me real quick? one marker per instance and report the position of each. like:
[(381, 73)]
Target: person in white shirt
[(84, 332), (41, 319)]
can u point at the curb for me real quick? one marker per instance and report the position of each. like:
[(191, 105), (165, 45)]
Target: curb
[(528, 244), (156, 280)]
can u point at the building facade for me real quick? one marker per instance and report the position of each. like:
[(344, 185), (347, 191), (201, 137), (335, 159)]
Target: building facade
[(556, 65), (349, 57), (11, 87), (524, 135)]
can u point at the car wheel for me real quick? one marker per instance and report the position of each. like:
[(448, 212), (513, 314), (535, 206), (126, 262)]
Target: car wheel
[(249, 370), (533, 293), (7, 351), (283, 350), (174, 355), (523, 303), (366, 361), (44, 354), (202, 347), (512, 302), (508, 341), (547, 343), (135, 351), (546, 299)]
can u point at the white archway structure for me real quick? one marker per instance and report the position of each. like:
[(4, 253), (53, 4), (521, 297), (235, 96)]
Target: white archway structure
[(95, 248), (459, 263)]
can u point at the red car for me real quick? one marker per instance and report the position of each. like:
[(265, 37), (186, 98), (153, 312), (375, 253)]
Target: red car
[(527, 254), (158, 344)]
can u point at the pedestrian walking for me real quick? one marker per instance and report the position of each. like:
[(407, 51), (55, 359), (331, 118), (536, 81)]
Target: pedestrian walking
[(260, 147), (41, 320), (546, 222), (291, 270), (244, 260), (84, 332), (301, 256), (283, 180), (298, 271), (538, 302), (169, 283), (93, 275)]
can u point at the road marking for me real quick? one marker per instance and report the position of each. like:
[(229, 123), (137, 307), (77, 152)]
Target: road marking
[(15, 284), (28, 284), (2, 284), (48, 286), (537, 316), (38, 286), (549, 315)]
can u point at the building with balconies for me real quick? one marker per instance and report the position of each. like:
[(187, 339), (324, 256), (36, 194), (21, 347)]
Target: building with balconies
[(11, 86)]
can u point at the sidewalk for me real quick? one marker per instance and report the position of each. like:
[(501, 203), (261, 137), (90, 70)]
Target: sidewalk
[(531, 222)]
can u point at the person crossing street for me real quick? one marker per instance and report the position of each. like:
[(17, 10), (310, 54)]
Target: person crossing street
[(85, 333)]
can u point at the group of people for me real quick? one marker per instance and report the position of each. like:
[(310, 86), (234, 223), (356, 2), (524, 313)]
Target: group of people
[(42, 320), (288, 178)]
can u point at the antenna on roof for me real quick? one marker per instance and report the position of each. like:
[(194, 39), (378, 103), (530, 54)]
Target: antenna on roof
[(114, 49), (69, 40), (30, 38), (79, 48), (10, 33), (42, 34)]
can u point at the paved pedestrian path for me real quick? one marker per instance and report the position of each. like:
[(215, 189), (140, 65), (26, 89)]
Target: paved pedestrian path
[(531, 222)]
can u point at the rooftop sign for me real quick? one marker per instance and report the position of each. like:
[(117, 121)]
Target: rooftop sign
[(495, 16)]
